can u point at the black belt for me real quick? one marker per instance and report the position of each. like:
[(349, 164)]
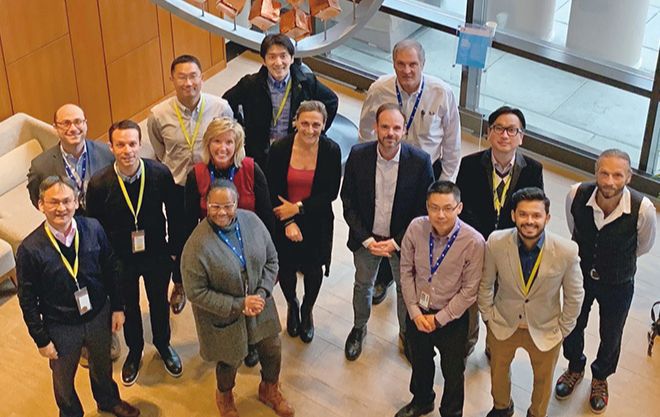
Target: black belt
[(429, 311), (380, 238)]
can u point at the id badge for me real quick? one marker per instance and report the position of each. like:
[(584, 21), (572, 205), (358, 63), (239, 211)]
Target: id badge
[(424, 300), (83, 301), (138, 242)]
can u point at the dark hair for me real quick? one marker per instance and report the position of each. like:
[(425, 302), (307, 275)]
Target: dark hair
[(389, 106), (613, 153), (124, 125), (276, 39), (530, 194), (444, 187), (52, 180), (223, 183), (185, 59), (507, 110)]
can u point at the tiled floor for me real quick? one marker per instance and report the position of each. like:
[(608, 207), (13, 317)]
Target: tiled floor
[(316, 377)]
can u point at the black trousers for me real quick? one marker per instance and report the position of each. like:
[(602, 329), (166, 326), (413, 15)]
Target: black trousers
[(613, 306), (95, 335), (312, 277), (270, 357), (450, 341), (180, 195), (156, 274)]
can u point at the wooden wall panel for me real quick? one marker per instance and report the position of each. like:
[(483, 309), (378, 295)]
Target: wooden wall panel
[(89, 61), (5, 98), (27, 25), (189, 39), (43, 80), (135, 81), (127, 25), (166, 47), (217, 49)]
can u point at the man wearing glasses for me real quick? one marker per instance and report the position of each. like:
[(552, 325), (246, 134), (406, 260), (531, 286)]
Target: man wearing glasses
[(75, 157), (176, 127), (489, 178), (441, 265)]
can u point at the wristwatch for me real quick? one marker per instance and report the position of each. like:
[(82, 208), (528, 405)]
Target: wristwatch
[(301, 208)]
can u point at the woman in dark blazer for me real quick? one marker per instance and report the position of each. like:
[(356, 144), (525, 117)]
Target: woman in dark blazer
[(304, 171)]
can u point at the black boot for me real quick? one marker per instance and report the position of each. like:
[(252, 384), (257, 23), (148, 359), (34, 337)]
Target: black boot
[(293, 319), (307, 326)]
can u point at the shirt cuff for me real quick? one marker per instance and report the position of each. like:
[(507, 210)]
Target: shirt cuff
[(396, 245), (368, 242), (442, 317), (414, 311)]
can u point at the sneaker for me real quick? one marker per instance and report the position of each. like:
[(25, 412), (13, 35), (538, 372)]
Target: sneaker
[(566, 384), (599, 396)]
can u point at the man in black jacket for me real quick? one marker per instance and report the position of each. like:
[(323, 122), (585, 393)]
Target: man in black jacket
[(64, 298), (266, 102), (128, 198)]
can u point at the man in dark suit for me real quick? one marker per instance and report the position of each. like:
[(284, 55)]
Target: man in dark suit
[(75, 157), (384, 188), (487, 180), (266, 102)]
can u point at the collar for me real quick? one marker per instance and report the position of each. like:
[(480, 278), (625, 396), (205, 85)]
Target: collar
[(278, 85), (508, 168), (185, 109), (623, 206), (539, 243), (127, 179), (451, 232), (379, 157), (70, 157), (404, 93), (228, 229), (64, 238)]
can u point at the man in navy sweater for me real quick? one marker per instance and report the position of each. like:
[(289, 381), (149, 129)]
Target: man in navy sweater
[(70, 301)]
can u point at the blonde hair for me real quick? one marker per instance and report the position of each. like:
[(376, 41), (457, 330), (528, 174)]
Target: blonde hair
[(219, 126)]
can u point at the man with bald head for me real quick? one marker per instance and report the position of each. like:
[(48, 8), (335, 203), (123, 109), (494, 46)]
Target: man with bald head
[(75, 157)]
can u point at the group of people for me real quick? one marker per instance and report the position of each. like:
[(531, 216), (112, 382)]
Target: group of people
[(240, 198)]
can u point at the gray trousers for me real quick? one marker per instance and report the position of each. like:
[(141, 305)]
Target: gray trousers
[(270, 357), (366, 269)]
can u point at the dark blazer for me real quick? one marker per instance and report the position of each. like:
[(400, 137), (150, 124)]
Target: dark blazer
[(252, 93), (316, 223), (50, 162), (358, 193), (475, 179)]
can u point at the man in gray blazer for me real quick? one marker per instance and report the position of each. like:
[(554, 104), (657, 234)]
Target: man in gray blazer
[(75, 157), (532, 267)]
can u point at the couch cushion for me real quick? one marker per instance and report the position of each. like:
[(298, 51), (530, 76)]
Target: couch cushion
[(14, 165), (18, 217), (7, 262)]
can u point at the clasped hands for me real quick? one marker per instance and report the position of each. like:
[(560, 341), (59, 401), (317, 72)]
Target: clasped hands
[(425, 323), (253, 305), (383, 248)]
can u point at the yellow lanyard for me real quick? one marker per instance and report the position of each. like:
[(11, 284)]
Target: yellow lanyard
[(282, 103), (499, 202), (532, 276), (189, 139), (73, 271), (128, 199)]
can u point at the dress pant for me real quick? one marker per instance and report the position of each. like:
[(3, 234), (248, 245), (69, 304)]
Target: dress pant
[(502, 353), (270, 358), (450, 341), (613, 306), (175, 235), (366, 268), (437, 168), (95, 335)]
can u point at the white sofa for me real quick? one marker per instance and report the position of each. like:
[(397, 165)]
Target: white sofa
[(22, 138)]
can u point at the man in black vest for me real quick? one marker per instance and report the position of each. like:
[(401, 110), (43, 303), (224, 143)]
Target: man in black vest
[(612, 225)]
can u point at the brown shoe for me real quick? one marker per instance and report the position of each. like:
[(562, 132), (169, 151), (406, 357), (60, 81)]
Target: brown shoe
[(123, 409), (225, 402), (177, 299), (271, 395)]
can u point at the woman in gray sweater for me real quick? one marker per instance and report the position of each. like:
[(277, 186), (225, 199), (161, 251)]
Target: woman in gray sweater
[(229, 265)]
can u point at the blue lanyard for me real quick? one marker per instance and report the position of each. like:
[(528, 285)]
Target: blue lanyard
[(80, 181), (238, 254), (230, 177), (434, 267), (414, 110)]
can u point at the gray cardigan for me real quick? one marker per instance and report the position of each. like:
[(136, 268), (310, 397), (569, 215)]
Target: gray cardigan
[(212, 281)]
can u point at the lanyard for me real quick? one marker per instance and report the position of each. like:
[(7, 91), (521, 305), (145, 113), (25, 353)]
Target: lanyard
[(532, 276), (76, 243), (230, 174), (282, 103), (450, 242), (190, 139), (72, 173), (140, 195), (239, 254), (414, 110), (499, 202)]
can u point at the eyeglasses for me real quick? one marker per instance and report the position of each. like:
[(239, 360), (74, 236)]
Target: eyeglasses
[(218, 207), (445, 210), (511, 131), (185, 77), (65, 124), (67, 202)]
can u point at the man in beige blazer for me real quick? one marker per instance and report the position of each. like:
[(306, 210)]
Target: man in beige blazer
[(532, 267)]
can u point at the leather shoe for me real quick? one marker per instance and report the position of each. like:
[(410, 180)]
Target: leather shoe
[(307, 328), (252, 358), (566, 384), (354, 343), (123, 409), (172, 361), (415, 410), (599, 396), (178, 299), (380, 292), (293, 319), (498, 412), (131, 369)]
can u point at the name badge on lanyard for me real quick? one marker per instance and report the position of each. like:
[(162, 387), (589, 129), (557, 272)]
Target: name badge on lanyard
[(138, 237), (414, 109), (190, 140), (79, 180), (236, 251), (425, 296)]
